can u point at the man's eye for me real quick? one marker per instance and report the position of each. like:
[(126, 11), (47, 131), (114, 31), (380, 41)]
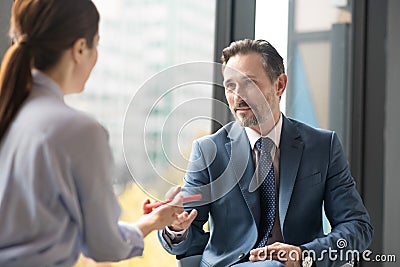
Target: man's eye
[(230, 86), (248, 82)]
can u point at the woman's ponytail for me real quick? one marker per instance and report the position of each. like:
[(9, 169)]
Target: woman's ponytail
[(15, 82)]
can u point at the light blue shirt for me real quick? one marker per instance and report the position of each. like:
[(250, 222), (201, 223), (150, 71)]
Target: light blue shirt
[(56, 198)]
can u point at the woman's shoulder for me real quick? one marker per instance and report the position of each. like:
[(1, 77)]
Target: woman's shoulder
[(78, 124), (56, 121)]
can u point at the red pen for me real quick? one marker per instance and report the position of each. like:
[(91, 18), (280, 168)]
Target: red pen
[(185, 199)]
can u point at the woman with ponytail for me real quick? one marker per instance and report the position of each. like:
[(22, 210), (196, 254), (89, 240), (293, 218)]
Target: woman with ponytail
[(56, 198)]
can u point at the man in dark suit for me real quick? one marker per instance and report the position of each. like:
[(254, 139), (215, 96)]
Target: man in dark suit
[(265, 180)]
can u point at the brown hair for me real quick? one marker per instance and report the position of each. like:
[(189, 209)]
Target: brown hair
[(273, 62), (41, 31)]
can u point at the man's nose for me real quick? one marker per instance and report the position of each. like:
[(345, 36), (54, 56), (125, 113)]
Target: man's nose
[(240, 93), (237, 98)]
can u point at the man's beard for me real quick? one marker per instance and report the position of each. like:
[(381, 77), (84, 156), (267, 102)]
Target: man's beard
[(251, 120), (247, 121)]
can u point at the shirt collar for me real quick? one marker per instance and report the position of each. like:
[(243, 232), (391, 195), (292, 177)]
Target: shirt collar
[(274, 134), (41, 80)]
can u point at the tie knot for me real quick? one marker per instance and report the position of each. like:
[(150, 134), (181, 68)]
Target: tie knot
[(264, 144)]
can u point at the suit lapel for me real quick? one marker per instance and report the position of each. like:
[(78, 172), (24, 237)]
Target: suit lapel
[(241, 162), (291, 149), (242, 167)]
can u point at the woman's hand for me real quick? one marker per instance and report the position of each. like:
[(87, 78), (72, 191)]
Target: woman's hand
[(163, 216)]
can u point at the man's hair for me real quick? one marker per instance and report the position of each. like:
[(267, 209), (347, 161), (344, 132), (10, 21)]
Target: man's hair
[(272, 61)]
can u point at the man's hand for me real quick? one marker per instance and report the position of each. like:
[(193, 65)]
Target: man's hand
[(184, 219), (284, 253)]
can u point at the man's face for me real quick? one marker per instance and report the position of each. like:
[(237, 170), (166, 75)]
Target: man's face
[(252, 97)]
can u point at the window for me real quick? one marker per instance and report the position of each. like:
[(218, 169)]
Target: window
[(318, 56), (313, 38), (272, 26)]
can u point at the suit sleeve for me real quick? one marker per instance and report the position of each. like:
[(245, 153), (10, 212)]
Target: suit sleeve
[(351, 228), (195, 181)]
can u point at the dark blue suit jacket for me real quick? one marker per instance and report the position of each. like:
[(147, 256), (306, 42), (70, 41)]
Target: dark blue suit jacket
[(314, 174)]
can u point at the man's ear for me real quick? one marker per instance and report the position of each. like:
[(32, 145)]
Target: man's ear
[(281, 82), (78, 49)]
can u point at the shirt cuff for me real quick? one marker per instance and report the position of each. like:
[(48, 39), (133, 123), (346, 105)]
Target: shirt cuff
[(133, 237), (176, 237)]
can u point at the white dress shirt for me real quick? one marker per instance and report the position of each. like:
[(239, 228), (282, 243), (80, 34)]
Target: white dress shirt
[(56, 198), (274, 135)]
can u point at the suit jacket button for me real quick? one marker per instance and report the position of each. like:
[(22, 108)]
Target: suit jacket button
[(241, 255)]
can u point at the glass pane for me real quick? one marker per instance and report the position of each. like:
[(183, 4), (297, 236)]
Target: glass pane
[(272, 25), (138, 39), (310, 88), (318, 88), (313, 16)]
